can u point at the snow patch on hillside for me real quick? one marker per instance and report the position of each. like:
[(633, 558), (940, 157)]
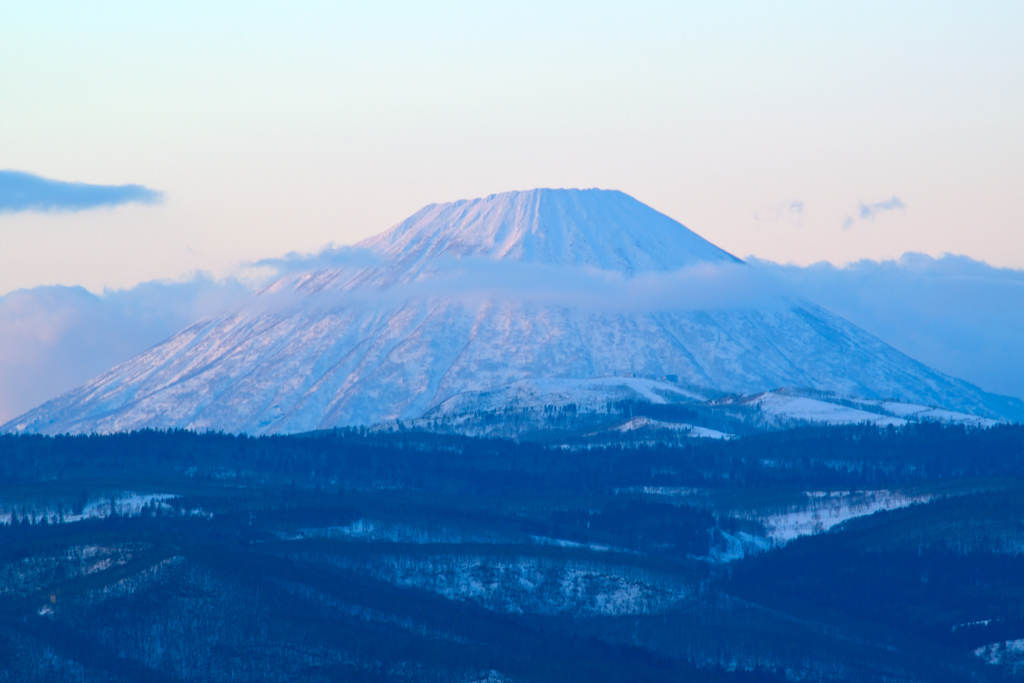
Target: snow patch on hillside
[(826, 509), (524, 585), (127, 504), (933, 414), (683, 428), (779, 407), (586, 395), (1008, 654)]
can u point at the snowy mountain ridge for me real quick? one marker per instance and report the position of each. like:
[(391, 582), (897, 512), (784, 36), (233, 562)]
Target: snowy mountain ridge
[(468, 301)]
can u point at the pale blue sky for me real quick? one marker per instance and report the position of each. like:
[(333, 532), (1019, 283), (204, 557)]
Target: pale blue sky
[(273, 127)]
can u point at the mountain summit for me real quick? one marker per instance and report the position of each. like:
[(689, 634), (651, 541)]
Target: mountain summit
[(602, 229), (614, 292)]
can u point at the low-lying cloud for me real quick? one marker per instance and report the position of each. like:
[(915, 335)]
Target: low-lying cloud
[(958, 315), (21, 191), (706, 286), (474, 280), (331, 257), (53, 339)]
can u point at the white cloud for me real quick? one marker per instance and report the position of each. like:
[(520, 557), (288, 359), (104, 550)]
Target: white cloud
[(472, 280), (868, 212), (54, 338), (955, 314), (958, 315), (791, 211)]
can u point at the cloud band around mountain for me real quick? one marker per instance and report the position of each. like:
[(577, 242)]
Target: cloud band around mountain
[(960, 316), (20, 191)]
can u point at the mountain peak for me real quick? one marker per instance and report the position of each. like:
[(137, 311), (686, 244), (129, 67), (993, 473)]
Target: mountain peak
[(302, 363), (604, 229)]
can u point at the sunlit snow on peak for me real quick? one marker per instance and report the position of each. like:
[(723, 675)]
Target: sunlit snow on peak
[(603, 229)]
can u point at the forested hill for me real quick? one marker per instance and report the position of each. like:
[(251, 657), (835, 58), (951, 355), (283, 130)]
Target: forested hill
[(844, 554), (854, 456)]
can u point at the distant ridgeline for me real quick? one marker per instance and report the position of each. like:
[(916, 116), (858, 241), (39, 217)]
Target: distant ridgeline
[(522, 304), (853, 553)]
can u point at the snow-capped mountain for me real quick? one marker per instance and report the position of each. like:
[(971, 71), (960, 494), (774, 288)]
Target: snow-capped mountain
[(464, 304)]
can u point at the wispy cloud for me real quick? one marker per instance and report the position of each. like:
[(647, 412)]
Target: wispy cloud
[(868, 212), (259, 274), (331, 257), (792, 210), (474, 281), (21, 191)]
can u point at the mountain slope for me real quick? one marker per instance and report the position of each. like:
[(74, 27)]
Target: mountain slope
[(477, 295)]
